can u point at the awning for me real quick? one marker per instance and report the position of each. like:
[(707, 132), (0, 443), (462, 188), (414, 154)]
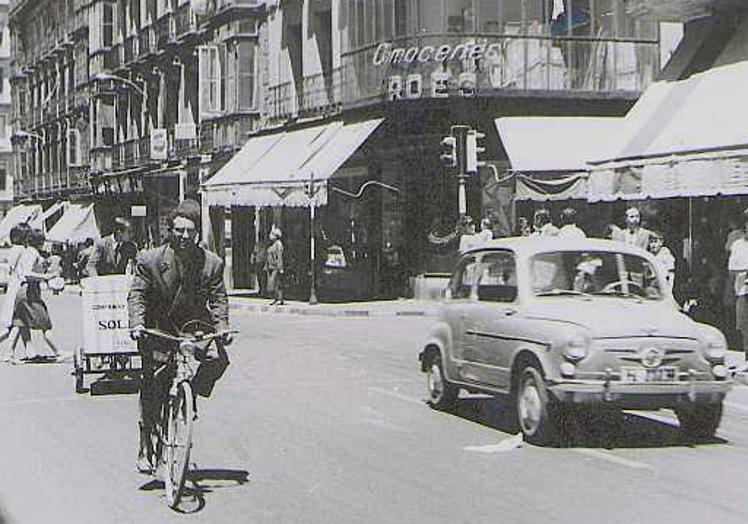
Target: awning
[(78, 223), (30, 214), (275, 170), (539, 144), (566, 187), (690, 140)]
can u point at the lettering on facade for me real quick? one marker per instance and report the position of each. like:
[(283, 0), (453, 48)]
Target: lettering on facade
[(387, 54)]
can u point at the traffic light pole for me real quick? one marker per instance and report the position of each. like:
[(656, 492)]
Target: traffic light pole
[(312, 248), (460, 133)]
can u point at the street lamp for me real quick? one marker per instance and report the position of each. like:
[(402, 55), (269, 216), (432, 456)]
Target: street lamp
[(108, 77), (311, 192)]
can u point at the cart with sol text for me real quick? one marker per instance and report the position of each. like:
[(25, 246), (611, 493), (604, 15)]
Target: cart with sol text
[(107, 347)]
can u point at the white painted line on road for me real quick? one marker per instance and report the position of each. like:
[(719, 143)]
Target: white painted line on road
[(507, 444), (395, 394), (615, 459)]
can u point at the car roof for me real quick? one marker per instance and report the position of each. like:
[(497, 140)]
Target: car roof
[(540, 244)]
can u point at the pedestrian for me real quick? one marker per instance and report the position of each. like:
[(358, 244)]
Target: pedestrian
[(663, 256), (81, 261), (54, 267), (737, 265), (13, 256), (114, 253), (569, 227), (633, 234), (31, 315), (259, 262), (468, 238), (486, 230), (175, 286), (542, 224), (275, 268)]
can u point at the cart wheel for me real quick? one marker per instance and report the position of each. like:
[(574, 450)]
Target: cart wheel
[(78, 363)]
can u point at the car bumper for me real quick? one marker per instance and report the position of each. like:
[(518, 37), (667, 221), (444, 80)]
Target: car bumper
[(649, 395)]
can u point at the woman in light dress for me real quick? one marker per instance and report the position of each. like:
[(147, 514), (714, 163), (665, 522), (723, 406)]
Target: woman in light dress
[(12, 257), (31, 315)]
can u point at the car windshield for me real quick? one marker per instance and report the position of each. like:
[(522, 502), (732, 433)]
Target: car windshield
[(586, 273)]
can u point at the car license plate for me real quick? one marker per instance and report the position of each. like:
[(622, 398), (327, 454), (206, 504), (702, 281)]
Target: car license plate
[(636, 375)]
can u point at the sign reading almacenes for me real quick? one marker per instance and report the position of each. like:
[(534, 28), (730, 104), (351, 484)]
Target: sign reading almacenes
[(386, 54)]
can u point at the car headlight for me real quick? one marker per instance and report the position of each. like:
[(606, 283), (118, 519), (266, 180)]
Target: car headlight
[(715, 346), (575, 347)]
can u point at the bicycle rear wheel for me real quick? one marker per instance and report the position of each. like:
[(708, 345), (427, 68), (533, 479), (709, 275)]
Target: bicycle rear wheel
[(178, 442)]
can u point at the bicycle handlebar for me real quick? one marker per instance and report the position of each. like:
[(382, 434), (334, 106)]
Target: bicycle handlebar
[(202, 337)]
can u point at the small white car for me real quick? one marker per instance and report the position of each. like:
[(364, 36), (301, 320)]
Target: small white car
[(558, 322)]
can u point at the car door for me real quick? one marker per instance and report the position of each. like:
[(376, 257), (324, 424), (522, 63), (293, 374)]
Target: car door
[(460, 294), (493, 322)]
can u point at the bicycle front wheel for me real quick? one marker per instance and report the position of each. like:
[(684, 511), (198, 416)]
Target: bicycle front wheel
[(178, 442)]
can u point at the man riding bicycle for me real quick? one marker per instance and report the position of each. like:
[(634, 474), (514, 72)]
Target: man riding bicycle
[(175, 284)]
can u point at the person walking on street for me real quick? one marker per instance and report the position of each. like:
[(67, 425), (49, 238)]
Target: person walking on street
[(112, 254), (18, 235), (259, 263), (275, 266), (737, 266), (175, 284), (31, 315)]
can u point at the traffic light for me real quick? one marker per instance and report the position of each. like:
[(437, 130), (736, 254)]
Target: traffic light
[(449, 155), (473, 150)]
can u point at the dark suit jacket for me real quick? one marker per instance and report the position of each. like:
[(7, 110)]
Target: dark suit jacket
[(161, 295), (108, 258)]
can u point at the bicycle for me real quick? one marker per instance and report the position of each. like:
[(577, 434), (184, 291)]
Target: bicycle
[(173, 432)]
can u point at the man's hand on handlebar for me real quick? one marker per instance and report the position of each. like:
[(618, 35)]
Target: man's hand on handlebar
[(228, 338), (137, 332)]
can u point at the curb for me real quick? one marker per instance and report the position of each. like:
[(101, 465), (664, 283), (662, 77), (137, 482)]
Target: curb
[(332, 311)]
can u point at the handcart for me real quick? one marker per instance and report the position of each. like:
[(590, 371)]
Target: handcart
[(107, 347)]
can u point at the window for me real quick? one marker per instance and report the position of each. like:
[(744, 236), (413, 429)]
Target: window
[(464, 278), (3, 177), (245, 58), (3, 124), (209, 74), (107, 25), (498, 278)]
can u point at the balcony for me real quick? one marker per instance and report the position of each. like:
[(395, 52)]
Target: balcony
[(165, 31), (185, 22)]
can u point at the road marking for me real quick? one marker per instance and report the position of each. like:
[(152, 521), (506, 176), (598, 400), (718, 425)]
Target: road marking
[(395, 394), (610, 457), (508, 444)]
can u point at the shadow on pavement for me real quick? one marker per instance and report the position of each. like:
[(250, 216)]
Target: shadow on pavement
[(584, 428), (198, 483)]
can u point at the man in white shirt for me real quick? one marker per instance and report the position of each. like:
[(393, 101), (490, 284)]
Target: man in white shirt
[(569, 227), (737, 265), (633, 234)]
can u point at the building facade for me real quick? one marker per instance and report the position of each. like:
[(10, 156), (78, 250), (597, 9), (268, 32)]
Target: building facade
[(412, 69), (130, 103), (6, 148)]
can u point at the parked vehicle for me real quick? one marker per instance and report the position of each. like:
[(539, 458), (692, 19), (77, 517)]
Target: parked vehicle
[(562, 323)]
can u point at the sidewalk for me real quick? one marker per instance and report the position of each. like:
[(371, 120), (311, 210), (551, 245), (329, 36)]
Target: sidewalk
[(379, 308)]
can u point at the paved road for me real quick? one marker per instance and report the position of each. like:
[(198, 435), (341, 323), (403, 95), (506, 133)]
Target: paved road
[(321, 419)]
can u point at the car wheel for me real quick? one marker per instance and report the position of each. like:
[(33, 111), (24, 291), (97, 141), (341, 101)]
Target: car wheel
[(699, 421), (442, 394), (536, 412)]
